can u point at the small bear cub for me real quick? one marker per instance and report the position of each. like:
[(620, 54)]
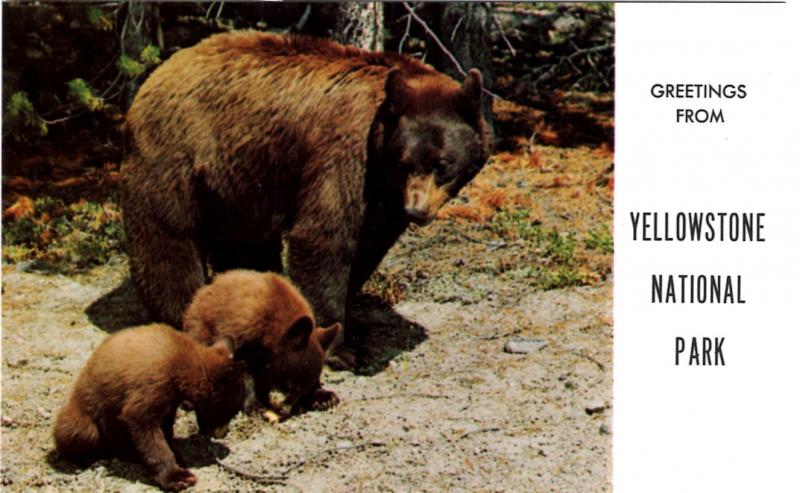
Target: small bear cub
[(125, 399), (274, 330)]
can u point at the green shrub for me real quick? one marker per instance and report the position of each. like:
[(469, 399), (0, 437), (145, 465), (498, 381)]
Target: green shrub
[(600, 239), (20, 120), (130, 67), (150, 55), (80, 92), (64, 238)]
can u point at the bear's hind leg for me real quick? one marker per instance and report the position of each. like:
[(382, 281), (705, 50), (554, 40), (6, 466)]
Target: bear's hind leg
[(155, 453), (166, 268), (77, 436)]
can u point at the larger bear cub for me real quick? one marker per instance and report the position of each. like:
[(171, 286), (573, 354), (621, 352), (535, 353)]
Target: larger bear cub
[(248, 139), (273, 327)]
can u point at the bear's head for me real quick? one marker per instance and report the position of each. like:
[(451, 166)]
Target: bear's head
[(432, 138), (226, 390), (294, 365)]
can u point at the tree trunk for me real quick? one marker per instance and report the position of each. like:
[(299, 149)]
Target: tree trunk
[(464, 29), (141, 28), (360, 24)]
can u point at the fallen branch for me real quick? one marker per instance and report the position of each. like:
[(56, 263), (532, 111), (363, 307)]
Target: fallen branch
[(551, 70), (64, 118), (503, 35), (301, 23), (447, 53), (407, 33)]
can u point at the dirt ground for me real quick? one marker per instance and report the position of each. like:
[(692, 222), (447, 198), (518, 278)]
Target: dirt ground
[(437, 406)]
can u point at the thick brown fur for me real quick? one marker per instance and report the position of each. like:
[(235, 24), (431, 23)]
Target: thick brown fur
[(248, 139), (273, 326), (125, 398)]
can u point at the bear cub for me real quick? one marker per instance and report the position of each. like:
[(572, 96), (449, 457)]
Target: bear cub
[(273, 327), (125, 399)]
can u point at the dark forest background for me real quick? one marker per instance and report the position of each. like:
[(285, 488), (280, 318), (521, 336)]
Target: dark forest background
[(70, 70)]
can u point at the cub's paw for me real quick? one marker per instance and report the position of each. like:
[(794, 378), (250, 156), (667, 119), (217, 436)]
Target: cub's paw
[(176, 479), (271, 416), (341, 359), (324, 400)]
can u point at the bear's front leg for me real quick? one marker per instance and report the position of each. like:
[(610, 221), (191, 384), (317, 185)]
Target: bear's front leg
[(166, 266), (319, 264), (319, 400), (151, 444)]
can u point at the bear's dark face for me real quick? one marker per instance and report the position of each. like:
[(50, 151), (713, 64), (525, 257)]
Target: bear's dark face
[(293, 369), (436, 142), (227, 393)]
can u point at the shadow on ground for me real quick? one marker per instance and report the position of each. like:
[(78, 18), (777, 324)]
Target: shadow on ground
[(118, 309), (382, 333), (192, 452)]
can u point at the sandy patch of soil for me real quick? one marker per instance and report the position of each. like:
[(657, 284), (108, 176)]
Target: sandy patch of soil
[(448, 411)]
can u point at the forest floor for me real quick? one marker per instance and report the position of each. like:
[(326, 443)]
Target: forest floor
[(524, 252)]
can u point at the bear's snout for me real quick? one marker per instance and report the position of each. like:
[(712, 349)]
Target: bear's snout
[(423, 198)]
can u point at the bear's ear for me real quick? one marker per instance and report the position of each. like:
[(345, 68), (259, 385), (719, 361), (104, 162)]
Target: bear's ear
[(328, 335), (397, 91), (472, 89), (226, 345), (299, 333)]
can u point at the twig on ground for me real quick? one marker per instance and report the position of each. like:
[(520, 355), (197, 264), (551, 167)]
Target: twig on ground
[(64, 118), (494, 337), (531, 142), (281, 477), (248, 475), (313, 458), (479, 430), (590, 358), (394, 396), (493, 245)]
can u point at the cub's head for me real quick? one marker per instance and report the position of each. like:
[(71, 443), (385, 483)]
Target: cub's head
[(434, 138), (293, 367), (227, 389)]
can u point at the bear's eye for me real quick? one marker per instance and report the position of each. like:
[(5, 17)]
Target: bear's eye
[(440, 167)]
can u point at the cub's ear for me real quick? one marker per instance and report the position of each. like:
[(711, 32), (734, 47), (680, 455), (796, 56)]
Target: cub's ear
[(472, 88), (327, 336), (397, 91), (299, 333), (226, 345)]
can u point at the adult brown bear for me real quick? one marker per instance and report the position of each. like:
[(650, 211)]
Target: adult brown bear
[(249, 138)]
